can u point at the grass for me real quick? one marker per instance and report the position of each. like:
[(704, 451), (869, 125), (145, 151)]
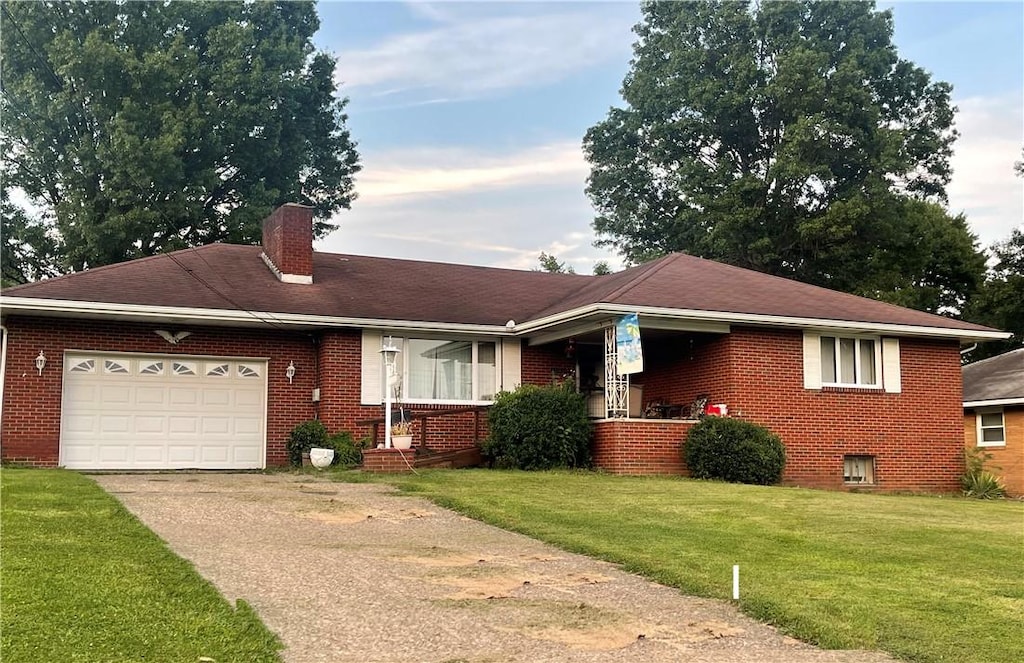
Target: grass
[(82, 580), (924, 578)]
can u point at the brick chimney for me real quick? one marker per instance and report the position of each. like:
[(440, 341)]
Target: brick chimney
[(288, 243)]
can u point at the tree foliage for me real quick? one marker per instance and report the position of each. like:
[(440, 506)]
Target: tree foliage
[(139, 127), (1000, 301), (549, 263), (786, 137)]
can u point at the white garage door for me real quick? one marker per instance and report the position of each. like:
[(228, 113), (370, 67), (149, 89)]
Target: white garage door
[(146, 412)]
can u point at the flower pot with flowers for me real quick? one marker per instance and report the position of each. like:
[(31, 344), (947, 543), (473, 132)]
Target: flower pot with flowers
[(401, 435)]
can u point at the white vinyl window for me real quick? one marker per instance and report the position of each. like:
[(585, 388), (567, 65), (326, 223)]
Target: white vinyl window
[(445, 371), (859, 469), (991, 428), (848, 361)]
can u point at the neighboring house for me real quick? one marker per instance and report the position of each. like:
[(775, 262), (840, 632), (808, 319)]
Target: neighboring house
[(207, 357), (994, 414)]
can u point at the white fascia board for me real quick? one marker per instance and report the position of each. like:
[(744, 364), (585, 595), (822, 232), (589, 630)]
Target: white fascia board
[(761, 319), (569, 329), (144, 313), (995, 402)]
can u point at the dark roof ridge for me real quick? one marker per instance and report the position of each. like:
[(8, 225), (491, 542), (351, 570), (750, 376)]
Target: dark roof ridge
[(114, 265), (652, 268), (539, 272)]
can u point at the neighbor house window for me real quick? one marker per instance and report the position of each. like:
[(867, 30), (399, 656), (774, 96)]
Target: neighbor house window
[(441, 370), (859, 469), (991, 428), (850, 361)]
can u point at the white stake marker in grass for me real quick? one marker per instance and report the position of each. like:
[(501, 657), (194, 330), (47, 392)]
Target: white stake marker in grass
[(736, 582)]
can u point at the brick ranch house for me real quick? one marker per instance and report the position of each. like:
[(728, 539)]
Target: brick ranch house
[(994, 414), (206, 358)]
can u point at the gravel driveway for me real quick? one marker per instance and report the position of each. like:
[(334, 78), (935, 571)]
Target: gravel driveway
[(358, 572)]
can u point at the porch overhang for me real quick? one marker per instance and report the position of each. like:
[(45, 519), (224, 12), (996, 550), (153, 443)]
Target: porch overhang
[(593, 322)]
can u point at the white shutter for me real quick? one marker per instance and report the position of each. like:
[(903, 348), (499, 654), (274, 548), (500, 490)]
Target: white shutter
[(370, 369), (511, 363), (891, 379), (812, 361)]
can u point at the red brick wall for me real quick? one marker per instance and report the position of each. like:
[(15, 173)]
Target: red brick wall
[(288, 239), (915, 436), (31, 403), (632, 446), (388, 460), (541, 364), (680, 369)]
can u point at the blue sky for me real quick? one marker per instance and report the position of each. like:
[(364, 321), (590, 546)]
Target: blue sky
[(470, 118)]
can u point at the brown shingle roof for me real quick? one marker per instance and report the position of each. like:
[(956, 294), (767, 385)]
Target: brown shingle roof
[(223, 276), (686, 282), (996, 378)]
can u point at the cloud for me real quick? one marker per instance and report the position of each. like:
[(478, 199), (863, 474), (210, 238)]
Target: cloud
[(473, 207), (984, 185), (421, 171), (465, 55)]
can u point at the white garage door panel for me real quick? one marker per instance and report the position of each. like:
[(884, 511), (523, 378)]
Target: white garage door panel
[(115, 395), (146, 454), (216, 425), (145, 412), (216, 397), (150, 396)]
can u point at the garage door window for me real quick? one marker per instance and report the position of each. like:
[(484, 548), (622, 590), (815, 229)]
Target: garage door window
[(248, 371), (83, 366), (183, 368), (151, 368), (218, 370), (114, 366)]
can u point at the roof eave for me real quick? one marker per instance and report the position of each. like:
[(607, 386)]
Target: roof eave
[(993, 402), (963, 335), (228, 317), (148, 313)]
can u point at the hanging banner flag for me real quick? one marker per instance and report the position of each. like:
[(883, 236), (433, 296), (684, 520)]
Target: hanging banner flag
[(629, 355)]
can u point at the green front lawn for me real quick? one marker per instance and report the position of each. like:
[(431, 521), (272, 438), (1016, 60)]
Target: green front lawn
[(82, 580), (924, 578)]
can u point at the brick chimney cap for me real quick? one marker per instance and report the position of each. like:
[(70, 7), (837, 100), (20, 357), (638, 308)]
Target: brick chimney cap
[(296, 205)]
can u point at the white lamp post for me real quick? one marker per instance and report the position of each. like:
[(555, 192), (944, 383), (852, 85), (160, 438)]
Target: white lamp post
[(390, 353)]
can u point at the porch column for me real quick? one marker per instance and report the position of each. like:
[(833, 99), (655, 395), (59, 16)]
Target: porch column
[(616, 387)]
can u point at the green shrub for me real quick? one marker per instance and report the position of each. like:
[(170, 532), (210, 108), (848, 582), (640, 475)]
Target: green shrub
[(312, 433), (538, 428), (304, 437), (734, 450), (978, 482), (347, 452)]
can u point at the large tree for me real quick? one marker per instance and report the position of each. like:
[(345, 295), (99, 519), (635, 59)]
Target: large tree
[(133, 128), (1000, 302), (786, 137)]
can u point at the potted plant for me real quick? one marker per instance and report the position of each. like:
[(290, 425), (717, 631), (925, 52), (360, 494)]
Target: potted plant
[(401, 435)]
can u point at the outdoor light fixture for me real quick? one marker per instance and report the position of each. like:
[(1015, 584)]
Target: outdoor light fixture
[(290, 371), (40, 362), (390, 353)]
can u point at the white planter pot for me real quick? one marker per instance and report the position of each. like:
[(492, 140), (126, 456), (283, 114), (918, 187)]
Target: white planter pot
[(401, 441), (321, 458)]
